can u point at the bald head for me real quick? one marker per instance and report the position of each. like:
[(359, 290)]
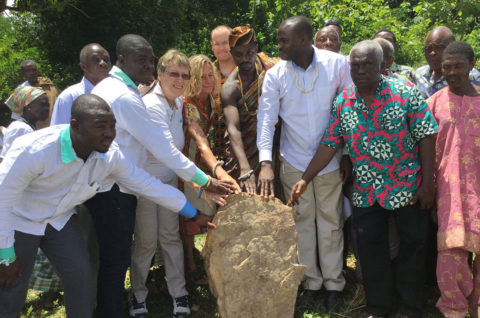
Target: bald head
[(388, 50), (129, 43), (95, 62), (88, 49), (88, 105), (92, 127), (26, 63), (299, 24), (221, 29), (135, 58), (442, 32), (437, 40)]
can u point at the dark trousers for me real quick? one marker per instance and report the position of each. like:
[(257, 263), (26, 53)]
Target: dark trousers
[(66, 251), (113, 214), (371, 226)]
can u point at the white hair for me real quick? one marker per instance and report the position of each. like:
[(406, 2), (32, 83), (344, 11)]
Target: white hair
[(386, 44), (369, 45)]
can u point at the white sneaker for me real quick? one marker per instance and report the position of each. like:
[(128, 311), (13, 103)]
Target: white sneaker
[(180, 307), (136, 309)]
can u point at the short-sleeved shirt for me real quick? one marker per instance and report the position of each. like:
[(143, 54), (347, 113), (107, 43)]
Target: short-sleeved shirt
[(423, 77), (382, 141)]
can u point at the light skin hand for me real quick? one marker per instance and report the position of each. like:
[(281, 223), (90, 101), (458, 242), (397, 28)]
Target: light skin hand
[(265, 180), (8, 273)]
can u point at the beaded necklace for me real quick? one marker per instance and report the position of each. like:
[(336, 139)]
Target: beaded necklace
[(241, 92), (305, 91)]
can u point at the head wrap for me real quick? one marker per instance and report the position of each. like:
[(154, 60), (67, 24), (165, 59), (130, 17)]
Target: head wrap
[(241, 35), (23, 96)]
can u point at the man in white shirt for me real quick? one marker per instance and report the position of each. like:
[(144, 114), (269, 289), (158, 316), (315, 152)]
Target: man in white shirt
[(95, 64), (300, 89), (136, 133), (43, 177)]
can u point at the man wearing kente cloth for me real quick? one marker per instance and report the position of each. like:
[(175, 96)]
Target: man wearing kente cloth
[(239, 97)]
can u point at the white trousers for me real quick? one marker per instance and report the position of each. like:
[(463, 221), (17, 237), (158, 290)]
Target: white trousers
[(319, 224), (156, 225)]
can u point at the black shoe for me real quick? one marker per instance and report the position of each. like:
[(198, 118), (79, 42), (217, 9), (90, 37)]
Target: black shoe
[(332, 300), (306, 299)]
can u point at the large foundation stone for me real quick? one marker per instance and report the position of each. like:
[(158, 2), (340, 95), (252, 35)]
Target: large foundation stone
[(251, 258)]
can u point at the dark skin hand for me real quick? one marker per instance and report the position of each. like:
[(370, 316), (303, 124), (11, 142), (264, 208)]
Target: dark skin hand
[(265, 180), (346, 169), (204, 221), (426, 192), (8, 273), (222, 187), (230, 95), (319, 161)]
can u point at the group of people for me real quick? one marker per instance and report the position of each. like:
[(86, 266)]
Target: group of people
[(135, 163)]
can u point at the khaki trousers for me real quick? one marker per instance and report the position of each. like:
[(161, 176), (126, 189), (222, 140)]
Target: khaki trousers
[(319, 224), (156, 225)]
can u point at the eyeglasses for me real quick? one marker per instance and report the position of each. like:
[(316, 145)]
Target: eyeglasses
[(224, 43), (177, 75)]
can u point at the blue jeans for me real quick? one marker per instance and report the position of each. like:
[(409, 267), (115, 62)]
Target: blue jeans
[(113, 214)]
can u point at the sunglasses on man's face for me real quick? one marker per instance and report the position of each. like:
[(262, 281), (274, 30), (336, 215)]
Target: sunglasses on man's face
[(184, 76)]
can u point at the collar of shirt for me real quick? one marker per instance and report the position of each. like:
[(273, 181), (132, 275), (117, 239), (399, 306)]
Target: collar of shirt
[(66, 148), (312, 64), (356, 96), (119, 74), (88, 86), (158, 90)]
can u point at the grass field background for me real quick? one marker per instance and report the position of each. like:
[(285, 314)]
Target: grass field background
[(203, 304)]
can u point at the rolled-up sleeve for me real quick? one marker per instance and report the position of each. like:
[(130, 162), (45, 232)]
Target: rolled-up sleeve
[(267, 117)]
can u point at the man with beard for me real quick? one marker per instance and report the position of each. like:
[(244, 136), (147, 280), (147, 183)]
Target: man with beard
[(240, 95)]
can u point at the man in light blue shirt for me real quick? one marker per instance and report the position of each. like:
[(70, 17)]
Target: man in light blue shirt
[(95, 64)]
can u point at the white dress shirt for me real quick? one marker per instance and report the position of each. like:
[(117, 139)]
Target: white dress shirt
[(62, 109), (137, 132), (304, 116), (42, 180), (16, 129), (170, 121)]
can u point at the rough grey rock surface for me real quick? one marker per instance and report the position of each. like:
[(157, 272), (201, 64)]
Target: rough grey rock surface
[(251, 258)]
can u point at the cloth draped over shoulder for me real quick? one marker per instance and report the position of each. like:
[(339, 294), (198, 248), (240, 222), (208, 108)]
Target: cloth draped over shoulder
[(247, 109)]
